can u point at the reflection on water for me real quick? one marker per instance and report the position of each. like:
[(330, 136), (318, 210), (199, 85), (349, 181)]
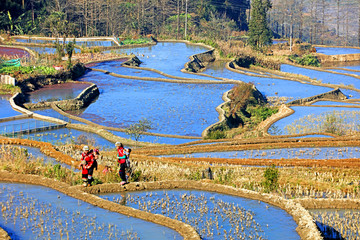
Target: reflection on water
[(35, 154), (335, 103), (156, 139), (103, 43), (181, 109), (323, 77), (336, 51), (162, 57), (35, 212), (57, 92), (289, 153), (48, 50), (214, 215), (313, 120), (68, 136), (6, 109), (337, 223)]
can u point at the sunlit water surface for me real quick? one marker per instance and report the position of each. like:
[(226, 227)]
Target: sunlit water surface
[(35, 212)]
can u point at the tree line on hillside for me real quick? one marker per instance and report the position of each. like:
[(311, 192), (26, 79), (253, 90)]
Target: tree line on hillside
[(331, 22), (175, 18)]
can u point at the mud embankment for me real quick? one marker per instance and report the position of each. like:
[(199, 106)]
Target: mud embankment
[(325, 59), (185, 230), (283, 112), (4, 235), (199, 61), (36, 82), (310, 203), (335, 94)]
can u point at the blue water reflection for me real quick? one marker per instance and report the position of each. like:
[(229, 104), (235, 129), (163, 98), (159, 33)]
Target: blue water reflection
[(324, 77), (288, 153), (57, 92), (67, 136), (336, 51), (156, 139), (304, 120), (165, 58), (44, 212), (173, 108), (6, 109), (48, 50), (100, 43), (214, 215)]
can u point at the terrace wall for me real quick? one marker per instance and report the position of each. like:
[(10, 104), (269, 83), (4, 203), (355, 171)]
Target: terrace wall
[(334, 94), (199, 61), (33, 83), (4, 235), (82, 100), (338, 58)]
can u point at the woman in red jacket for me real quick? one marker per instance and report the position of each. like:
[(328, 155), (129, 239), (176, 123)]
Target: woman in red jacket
[(121, 158)]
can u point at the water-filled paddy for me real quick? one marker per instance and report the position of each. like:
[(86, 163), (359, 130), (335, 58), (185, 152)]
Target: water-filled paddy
[(115, 67), (337, 223), (57, 92), (345, 71), (48, 50), (52, 113), (287, 153), (313, 120), (279, 41), (173, 108), (35, 212), (99, 43), (271, 87), (22, 125), (214, 215), (167, 57), (324, 77), (335, 103), (155, 139), (6, 109), (336, 51), (315, 136), (67, 136), (34, 154)]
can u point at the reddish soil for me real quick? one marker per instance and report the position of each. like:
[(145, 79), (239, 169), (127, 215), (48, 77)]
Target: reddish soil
[(13, 52)]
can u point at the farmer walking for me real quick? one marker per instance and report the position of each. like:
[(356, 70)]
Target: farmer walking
[(89, 158), (121, 158)]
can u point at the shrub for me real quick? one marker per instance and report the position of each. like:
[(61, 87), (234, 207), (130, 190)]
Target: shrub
[(136, 176), (8, 89), (217, 134), (307, 60), (39, 70), (271, 176)]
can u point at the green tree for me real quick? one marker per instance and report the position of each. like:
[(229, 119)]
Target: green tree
[(259, 32), (271, 175), (136, 130), (69, 47)]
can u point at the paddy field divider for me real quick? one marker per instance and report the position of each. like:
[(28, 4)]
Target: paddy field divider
[(4, 235)]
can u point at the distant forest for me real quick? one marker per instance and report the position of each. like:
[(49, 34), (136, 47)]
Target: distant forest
[(331, 22)]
